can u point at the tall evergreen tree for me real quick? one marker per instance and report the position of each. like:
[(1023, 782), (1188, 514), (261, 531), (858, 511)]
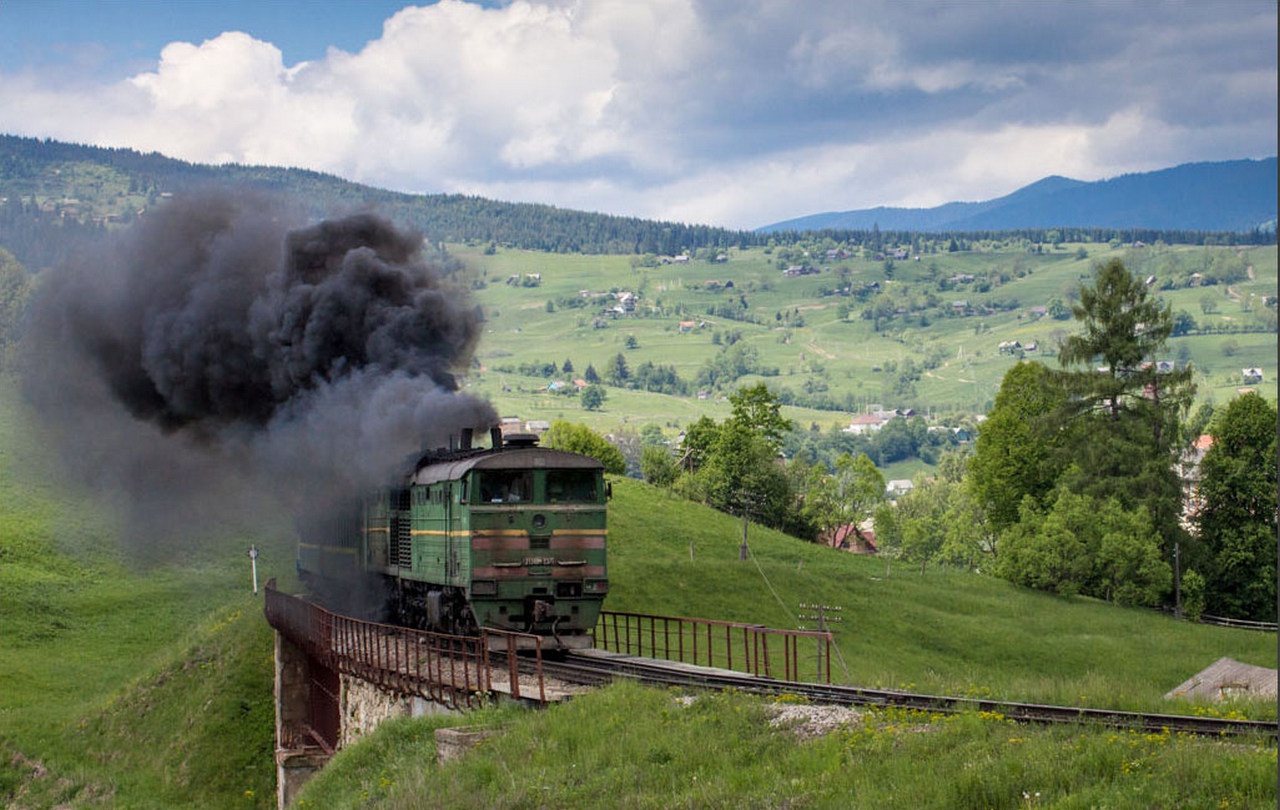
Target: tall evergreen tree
[(1124, 329), (618, 373), (1121, 421)]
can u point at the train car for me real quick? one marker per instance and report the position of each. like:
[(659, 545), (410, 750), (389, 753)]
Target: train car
[(511, 537)]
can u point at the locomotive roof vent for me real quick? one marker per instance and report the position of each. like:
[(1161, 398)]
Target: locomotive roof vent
[(521, 440)]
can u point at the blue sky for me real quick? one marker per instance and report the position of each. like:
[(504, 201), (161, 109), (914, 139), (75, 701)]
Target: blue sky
[(115, 37), (728, 112)]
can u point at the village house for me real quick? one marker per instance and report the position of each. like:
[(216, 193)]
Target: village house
[(898, 487), (865, 423), (847, 538)]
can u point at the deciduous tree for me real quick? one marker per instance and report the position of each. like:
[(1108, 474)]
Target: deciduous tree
[(1237, 519), (758, 409), (577, 438), (847, 497), (593, 397), (1087, 545), (1015, 455)]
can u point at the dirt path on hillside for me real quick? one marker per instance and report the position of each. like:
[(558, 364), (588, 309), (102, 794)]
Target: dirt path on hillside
[(826, 355)]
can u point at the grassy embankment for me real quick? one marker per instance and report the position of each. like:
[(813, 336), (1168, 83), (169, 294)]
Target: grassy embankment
[(123, 686), (631, 747)]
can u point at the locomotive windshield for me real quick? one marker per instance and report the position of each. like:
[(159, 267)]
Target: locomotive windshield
[(506, 486), (572, 485)]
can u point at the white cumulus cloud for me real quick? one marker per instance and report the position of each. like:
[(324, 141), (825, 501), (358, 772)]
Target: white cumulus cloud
[(730, 112)]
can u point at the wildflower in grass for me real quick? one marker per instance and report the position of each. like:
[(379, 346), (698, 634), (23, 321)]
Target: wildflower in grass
[(1159, 738)]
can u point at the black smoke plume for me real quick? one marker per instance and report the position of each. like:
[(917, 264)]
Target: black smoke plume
[(223, 348)]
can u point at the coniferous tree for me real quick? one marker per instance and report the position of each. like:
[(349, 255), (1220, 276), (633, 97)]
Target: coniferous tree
[(1120, 425), (618, 373)]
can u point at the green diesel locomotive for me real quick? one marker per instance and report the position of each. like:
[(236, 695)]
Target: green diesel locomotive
[(511, 537)]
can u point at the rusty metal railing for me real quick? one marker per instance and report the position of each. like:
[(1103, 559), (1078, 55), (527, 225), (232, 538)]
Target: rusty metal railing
[(727, 645), (455, 671)]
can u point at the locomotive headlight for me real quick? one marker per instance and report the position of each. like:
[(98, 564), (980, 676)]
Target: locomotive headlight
[(539, 521), (484, 587), (597, 586)]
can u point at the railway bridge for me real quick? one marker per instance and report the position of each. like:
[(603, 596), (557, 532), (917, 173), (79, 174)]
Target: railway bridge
[(336, 677)]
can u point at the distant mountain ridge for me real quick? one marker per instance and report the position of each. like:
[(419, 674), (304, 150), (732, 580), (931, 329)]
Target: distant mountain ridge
[(1235, 195)]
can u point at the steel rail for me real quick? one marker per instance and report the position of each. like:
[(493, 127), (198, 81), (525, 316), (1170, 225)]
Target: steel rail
[(584, 669)]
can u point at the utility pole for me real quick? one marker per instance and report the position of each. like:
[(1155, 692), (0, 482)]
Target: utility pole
[(253, 563), (820, 614), (1177, 580), (746, 501)]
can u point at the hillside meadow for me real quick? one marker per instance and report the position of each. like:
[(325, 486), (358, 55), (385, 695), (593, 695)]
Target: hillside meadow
[(814, 344), (149, 685)]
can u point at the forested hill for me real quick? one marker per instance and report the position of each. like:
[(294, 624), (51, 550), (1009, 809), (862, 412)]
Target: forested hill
[(1237, 195), (90, 186), (58, 198)]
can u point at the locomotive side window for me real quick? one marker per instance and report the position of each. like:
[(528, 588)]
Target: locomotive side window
[(572, 486), (506, 486)]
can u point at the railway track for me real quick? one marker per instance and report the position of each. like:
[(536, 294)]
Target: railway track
[(450, 669), (596, 668)]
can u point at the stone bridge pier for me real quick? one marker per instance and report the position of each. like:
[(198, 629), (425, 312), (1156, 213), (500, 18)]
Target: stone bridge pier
[(319, 711)]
